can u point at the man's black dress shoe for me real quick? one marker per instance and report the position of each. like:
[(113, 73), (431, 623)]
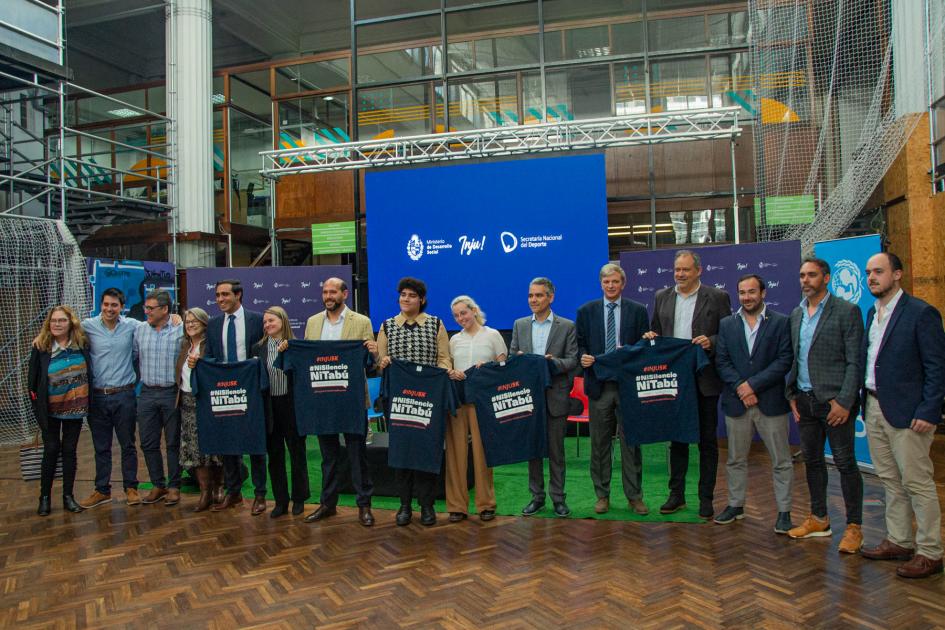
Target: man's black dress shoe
[(45, 506), (298, 507), (561, 509), (706, 511), (69, 502), (404, 515), (323, 511), (427, 516), (673, 504), (278, 511), (532, 507), (365, 517)]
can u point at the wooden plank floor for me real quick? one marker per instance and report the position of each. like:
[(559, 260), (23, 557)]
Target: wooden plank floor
[(152, 566)]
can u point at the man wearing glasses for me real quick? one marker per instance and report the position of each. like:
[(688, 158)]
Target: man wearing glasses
[(157, 345)]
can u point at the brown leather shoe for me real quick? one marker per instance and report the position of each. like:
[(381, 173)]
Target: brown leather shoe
[(602, 506), (919, 567), (172, 497), (132, 496), (156, 494), (229, 501), (887, 550), (94, 499), (365, 517), (638, 506), (259, 506)]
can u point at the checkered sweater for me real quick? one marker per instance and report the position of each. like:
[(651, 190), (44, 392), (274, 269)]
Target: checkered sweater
[(414, 342)]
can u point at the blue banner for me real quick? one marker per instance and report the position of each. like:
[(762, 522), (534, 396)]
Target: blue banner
[(847, 258), (135, 278)]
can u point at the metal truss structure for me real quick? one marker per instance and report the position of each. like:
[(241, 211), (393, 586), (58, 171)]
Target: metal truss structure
[(572, 135)]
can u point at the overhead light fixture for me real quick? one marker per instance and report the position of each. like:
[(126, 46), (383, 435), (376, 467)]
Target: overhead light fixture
[(124, 112), (218, 99), (328, 98)]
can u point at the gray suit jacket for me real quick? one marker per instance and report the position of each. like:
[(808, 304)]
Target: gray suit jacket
[(712, 306), (562, 345), (833, 362)]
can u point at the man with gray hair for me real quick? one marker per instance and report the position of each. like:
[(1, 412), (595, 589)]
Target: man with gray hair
[(603, 325), (692, 310), (157, 346), (552, 336)]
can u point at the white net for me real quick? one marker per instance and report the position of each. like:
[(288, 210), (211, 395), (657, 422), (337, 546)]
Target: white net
[(40, 267), (831, 121)]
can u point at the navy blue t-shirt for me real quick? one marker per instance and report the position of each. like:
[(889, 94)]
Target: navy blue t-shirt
[(416, 401), (328, 385), (510, 408), (231, 419), (658, 388)]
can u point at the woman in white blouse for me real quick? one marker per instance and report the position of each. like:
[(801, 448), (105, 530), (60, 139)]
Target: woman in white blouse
[(474, 345)]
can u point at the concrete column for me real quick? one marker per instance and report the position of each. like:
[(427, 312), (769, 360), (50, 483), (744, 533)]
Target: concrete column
[(189, 90)]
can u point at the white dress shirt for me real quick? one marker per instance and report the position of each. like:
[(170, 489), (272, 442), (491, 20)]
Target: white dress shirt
[(876, 332), (330, 331), (240, 323), (685, 310), (468, 350), (751, 334)]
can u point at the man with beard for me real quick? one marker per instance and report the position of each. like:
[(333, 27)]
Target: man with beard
[(904, 384), (338, 322), (753, 357)]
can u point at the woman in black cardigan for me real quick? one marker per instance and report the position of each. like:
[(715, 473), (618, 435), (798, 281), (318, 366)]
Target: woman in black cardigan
[(281, 428), (59, 381)]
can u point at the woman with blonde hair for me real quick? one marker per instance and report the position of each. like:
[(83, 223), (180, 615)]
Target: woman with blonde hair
[(59, 378), (207, 468), (281, 429), (474, 345)]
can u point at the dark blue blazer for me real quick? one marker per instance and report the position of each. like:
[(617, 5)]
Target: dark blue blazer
[(254, 332), (590, 334), (765, 368), (910, 366)]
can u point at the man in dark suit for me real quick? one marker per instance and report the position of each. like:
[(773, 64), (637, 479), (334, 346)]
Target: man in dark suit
[(904, 385), (554, 337), (753, 357), (230, 336), (624, 323), (823, 389), (692, 310)]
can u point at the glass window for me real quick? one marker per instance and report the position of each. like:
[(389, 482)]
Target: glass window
[(677, 33), (157, 99), (394, 111), (310, 77), (731, 82), (531, 98), (313, 121), (250, 91), (503, 44), (370, 9), (568, 20), (95, 109), (484, 103), (627, 38), (422, 58), (249, 196), (727, 29), (629, 89), (781, 23), (578, 93), (678, 85)]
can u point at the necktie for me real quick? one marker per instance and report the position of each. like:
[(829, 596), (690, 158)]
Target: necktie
[(231, 355), (611, 342)]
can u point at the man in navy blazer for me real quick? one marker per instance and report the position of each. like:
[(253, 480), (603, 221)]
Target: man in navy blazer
[(247, 330), (903, 355), (623, 324), (753, 357)]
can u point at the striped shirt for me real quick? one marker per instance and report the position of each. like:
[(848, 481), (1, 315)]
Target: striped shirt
[(68, 373), (278, 385), (157, 354)]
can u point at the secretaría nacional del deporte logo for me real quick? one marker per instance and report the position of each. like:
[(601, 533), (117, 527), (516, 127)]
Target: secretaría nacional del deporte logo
[(847, 280), (415, 247)]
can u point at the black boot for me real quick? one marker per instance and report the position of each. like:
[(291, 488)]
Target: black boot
[(404, 515), (45, 506), (69, 502)]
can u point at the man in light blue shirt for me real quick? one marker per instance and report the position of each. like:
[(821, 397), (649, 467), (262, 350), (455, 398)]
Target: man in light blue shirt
[(113, 409), (808, 327)]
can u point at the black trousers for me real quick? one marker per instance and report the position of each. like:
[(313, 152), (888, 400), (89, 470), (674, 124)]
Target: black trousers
[(708, 454), (60, 436), (233, 473), (284, 436), (415, 483), (330, 446)]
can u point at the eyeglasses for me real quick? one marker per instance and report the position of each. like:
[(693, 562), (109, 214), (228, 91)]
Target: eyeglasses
[(148, 309), (59, 321), (193, 322)]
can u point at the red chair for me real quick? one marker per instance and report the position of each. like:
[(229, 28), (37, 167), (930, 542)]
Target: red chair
[(577, 392)]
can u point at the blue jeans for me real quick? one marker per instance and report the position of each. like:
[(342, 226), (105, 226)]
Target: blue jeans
[(157, 413), (814, 432), (115, 412)]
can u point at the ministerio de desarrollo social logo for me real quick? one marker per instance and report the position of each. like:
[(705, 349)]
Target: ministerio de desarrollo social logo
[(415, 247)]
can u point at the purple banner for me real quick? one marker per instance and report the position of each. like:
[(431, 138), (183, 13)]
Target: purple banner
[(135, 278), (777, 262), (296, 289)]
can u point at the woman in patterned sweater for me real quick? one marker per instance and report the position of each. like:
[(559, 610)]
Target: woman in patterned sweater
[(419, 338), (58, 381)]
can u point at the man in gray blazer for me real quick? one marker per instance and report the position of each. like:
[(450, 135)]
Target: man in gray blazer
[(692, 310), (823, 388), (554, 337)]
